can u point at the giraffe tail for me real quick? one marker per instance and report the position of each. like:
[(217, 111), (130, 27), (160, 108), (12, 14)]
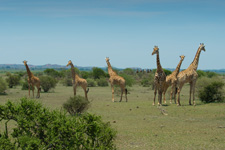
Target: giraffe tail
[(87, 90)]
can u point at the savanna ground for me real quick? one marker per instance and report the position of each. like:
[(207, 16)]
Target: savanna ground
[(142, 126)]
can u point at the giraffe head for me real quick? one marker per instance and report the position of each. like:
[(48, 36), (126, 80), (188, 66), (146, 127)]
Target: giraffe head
[(25, 62), (107, 59), (182, 57), (155, 50), (69, 63), (202, 46)]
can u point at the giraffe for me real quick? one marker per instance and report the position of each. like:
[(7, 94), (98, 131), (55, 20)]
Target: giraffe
[(116, 79), (171, 80), (32, 81), (77, 81), (189, 75), (160, 77)]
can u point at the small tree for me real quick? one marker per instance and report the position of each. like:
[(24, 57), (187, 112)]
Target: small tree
[(91, 82), (37, 127), (102, 82), (76, 105), (210, 89), (12, 80), (3, 85), (129, 79), (47, 83), (98, 73)]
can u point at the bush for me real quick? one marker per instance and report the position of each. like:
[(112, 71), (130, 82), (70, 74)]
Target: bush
[(47, 83), (98, 73), (67, 82), (3, 85), (210, 90), (36, 127), (129, 79), (167, 72), (25, 86), (12, 80), (53, 73), (91, 82), (201, 73), (102, 82), (76, 105), (85, 74)]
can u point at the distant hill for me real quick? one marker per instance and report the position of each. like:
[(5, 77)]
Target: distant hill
[(61, 67)]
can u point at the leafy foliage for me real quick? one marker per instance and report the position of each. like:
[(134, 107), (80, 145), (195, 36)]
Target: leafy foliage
[(76, 105), (47, 83), (36, 127), (128, 78), (53, 73), (91, 82), (3, 85), (167, 72), (12, 80), (102, 82), (98, 73), (210, 90)]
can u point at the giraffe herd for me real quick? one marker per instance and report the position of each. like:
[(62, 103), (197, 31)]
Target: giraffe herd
[(161, 82)]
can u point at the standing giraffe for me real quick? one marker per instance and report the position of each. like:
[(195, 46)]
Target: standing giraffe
[(160, 77), (189, 75), (116, 79), (32, 81), (77, 81), (172, 80)]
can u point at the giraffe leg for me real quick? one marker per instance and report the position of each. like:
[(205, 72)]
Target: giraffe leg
[(193, 89), (85, 91), (159, 97), (112, 93), (171, 93), (38, 91), (121, 95), (155, 92), (164, 95), (75, 89), (191, 84)]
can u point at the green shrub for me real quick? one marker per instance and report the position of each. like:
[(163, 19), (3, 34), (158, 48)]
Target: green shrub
[(102, 82), (211, 74), (129, 79), (85, 74), (53, 73), (210, 89), (201, 73), (167, 72), (3, 85), (12, 80), (76, 105), (91, 82), (36, 127), (25, 85), (67, 82), (145, 82), (98, 73), (47, 83)]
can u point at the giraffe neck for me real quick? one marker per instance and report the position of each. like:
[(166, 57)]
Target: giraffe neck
[(110, 71), (177, 70), (73, 71), (159, 67), (28, 71), (194, 64)]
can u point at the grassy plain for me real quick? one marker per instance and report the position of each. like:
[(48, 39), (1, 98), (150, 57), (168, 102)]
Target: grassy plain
[(142, 126)]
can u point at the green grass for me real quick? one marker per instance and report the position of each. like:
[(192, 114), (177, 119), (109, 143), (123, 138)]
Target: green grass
[(141, 125)]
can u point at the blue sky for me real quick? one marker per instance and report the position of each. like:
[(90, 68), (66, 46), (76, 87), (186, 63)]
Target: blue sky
[(87, 31)]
